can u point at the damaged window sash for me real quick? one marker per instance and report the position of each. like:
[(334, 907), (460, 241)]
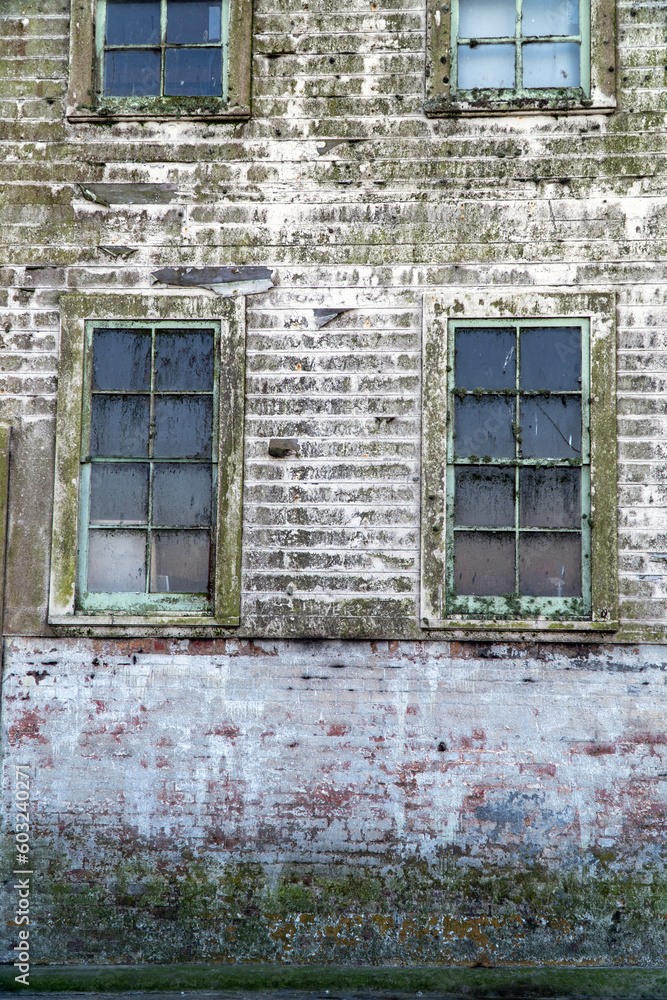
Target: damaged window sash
[(149, 458), (518, 468)]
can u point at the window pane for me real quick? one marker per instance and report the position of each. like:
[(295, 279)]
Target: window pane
[(132, 73), (193, 21), (118, 493), (551, 64), (551, 427), (121, 359), (193, 72), (549, 498), (119, 426), (484, 427), (183, 427), (483, 563), (551, 358), (550, 565), (184, 359), (486, 66), (180, 562), (550, 17), (133, 22), (485, 358), (484, 497), (182, 494), (486, 18), (117, 561)]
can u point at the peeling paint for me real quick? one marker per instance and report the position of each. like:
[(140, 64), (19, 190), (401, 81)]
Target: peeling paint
[(129, 194), (325, 314), (225, 281)]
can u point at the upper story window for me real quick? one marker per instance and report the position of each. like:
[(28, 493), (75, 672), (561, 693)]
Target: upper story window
[(502, 55), (160, 59), (163, 48), (521, 47)]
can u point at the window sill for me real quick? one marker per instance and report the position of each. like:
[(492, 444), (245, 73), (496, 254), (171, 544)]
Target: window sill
[(446, 107), (120, 621), (460, 625), (197, 111)]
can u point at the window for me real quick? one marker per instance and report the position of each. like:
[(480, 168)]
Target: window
[(162, 48), (519, 425), (488, 55), (148, 462), (138, 58)]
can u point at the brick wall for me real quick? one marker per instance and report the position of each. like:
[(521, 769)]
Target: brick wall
[(341, 801)]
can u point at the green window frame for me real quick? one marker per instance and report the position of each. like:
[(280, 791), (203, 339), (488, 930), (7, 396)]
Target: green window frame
[(595, 607), (147, 529), (79, 455), (517, 399), (519, 39), (90, 51), (445, 94)]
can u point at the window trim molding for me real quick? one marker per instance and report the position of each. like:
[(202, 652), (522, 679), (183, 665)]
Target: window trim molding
[(84, 102), (443, 305), (76, 309), (441, 100)]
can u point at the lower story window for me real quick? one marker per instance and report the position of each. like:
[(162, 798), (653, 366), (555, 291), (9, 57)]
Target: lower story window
[(518, 470), (149, 467), (149, 462), (519, 460)]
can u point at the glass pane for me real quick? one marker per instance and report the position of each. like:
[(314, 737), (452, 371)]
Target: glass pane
[(193, 72), (550, 565), (486, 18), (484, 497), (118, 493), (132, 73), (550, 17), (486, 66), (179, 562), (193, 21), (551, 358), (483, 563), (133, 22), (121, 359), (182, 494), (485, 358), (119, 426), (551, 64), (549, 498), (117, 561), (483, 427), (184, 359), (183, 427), (551, 427)]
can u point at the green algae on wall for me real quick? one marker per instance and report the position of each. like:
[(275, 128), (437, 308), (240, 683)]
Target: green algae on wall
[(127, 903)]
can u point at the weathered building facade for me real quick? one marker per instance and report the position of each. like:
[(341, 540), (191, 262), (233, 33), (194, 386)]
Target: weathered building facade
[(339, 746)]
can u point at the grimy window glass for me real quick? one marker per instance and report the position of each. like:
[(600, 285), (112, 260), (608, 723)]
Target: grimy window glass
[(521, 47), (148, 467), (518, 473), (164, 48)]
